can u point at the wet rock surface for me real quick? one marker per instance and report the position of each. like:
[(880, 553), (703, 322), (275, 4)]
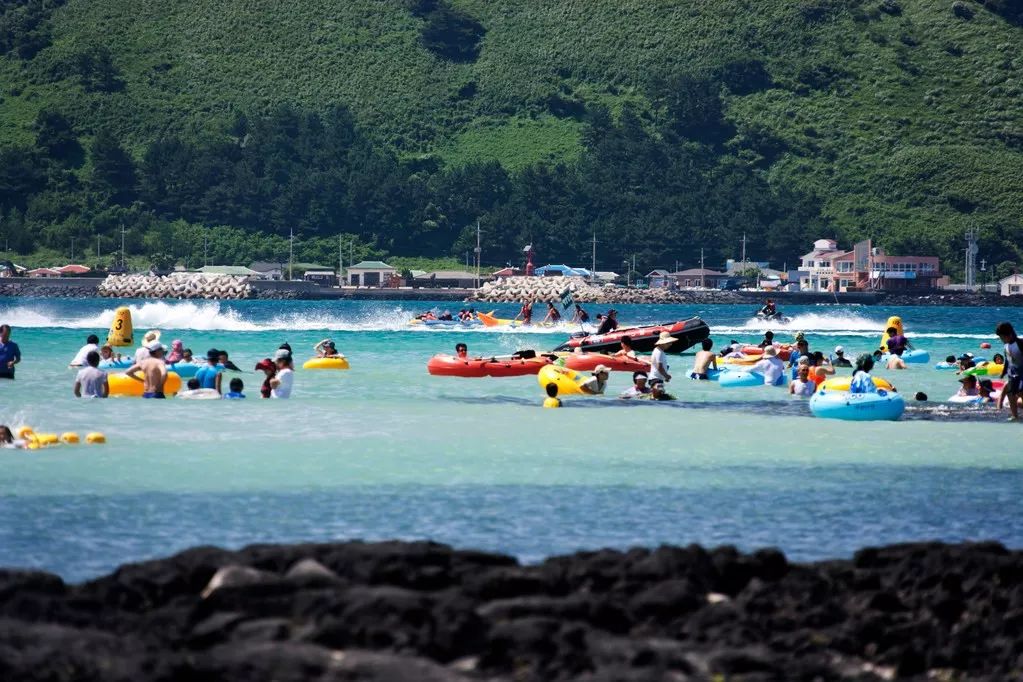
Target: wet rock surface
[(424, 611)]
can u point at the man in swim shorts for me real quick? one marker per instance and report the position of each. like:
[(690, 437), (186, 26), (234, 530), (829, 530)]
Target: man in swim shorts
[(154, 371), (1012, 370), (705, 359)]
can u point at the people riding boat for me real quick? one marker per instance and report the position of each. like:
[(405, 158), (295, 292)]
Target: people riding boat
[(767, 341), (553, 316), (609, 323), (705, 360), (428, 315), (326, 349), (461, 351), (597, 382), (626, 351), (445, 317), (525, 312), (639, 387), (580, 316)]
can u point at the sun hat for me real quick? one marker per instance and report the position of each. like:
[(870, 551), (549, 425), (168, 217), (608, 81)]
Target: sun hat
[(770, 352), (151, 336), (601, 369), (265, 363), (281, 354), (665, 339), (839, 349)]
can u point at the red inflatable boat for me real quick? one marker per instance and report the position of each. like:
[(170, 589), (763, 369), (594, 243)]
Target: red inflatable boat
[(587, 362), (474, 368), (688, 333)]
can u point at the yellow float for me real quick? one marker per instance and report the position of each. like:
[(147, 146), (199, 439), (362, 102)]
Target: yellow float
[(893, 321), (70, 437), (744, 360), (47, 439), (568, 381), (95, 438), (552, 402), (842, 384), (23, 432), (124, 386), (340, 362), (121, 332)]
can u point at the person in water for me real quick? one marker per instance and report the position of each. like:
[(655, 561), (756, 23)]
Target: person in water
[(552, 399), (965, 362), (186, 356), (705, 360), (897, 343), (269, 369), (91, 382), (968, 387), (461, 351), (581, 316), (445, 317), (280, 385), (236, 387), (154, 371), (803, 386), (152, 336), (659, 358), (770, 367), (657, 391), (177, 352), (106, 354), (802, 349), (820, 369), (91, 345), (609, 323), (597, 382), (1012, 370), (895, 362), (226, 363), (10, 353), (626, 351), (840, 359), (526, 312), (7, 439), (209, 375), (769, 309), (767, 341), (639, 387), (552, 316), (326, 349), (861, 381)]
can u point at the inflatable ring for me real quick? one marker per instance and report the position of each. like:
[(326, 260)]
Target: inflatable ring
[(568, 381), (326, 363), (882, 406), (985, 369), (124, 386), (842, 384)]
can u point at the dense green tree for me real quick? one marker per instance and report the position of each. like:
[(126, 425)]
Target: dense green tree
[(113, 170)]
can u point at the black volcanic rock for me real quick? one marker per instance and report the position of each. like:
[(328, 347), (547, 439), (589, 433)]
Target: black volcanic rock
[(425, 611)]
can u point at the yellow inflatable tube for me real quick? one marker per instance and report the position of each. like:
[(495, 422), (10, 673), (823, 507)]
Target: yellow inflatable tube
[(842, 383), (744, 360), (124, 386), (340, 362), (567, 380), (893, 321)]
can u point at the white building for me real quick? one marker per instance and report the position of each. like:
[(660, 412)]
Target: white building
[(816, 268), (1011, 285), (371, 273)]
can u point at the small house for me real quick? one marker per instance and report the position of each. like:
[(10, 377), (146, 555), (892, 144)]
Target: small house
[(325, 278), (371, 273), (1011, 285)]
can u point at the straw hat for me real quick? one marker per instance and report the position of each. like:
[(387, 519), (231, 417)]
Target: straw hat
[(665, 339), (601, 369)]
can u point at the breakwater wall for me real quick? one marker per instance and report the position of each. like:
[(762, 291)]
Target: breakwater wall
[(430, 613), (184, 286)]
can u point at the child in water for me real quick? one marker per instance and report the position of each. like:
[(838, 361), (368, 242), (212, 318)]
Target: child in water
[(552, 399), (236, 387), (862, 382)]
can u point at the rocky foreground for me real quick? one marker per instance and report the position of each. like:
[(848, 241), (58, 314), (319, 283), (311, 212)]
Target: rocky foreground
[(426, 612)]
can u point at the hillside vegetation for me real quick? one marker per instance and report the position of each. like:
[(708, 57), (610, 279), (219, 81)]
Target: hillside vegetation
[(661, 127)]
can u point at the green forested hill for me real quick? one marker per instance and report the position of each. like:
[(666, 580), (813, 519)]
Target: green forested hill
[(661, 126)]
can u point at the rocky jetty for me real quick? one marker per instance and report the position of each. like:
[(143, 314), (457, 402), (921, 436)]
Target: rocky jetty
[(71, 288), (426, 612), (178, 285), (549, 289)]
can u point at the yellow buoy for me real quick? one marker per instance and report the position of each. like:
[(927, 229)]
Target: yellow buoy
[(95, 438), (47, 438), (70, 437), (24, 431), (121, 329)]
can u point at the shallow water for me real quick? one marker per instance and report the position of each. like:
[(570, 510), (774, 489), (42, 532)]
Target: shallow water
[(384, 450)]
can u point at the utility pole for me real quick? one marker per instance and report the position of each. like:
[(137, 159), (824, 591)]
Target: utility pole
[(744, 251), (340, 259), (983, 277), (122, 246), (703, 279), (633, 262), (593, 258), (628, 273), (971, 258), (205, 245), (291, 253), (478, 253), (97, 247), (72, 249), (351, 253)]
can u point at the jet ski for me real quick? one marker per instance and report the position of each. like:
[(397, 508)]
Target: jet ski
[(776, 316)]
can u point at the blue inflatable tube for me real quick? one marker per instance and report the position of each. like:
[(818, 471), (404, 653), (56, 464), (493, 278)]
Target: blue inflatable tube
[(185, 370), (857, 407), (946, 365), (452, 323), (740, 379), (124, 363), (712, 374)]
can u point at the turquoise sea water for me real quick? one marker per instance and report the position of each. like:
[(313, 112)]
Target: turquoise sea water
[(386, 451)]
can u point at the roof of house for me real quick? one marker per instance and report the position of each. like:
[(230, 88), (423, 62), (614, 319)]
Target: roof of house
[(508, 272), (817, 254), (563, 269), (74, 269), (450, 274), (417, 273), (1013, 276), (371, 265), (658, 273), (324, 273), (226, 270), (699, 272), (45, 271), (265, 266), (606, 275)]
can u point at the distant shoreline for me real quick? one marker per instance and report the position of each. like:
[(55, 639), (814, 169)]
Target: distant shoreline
[(86, 287)]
